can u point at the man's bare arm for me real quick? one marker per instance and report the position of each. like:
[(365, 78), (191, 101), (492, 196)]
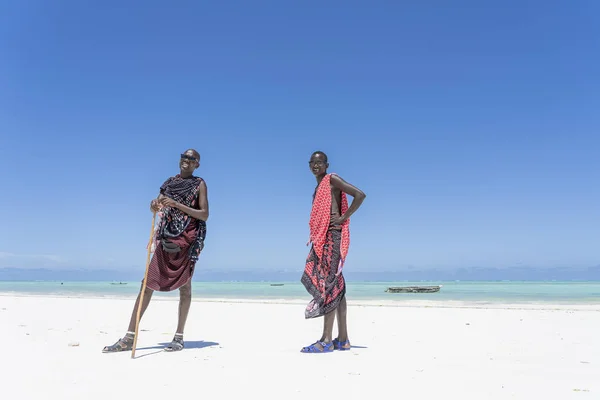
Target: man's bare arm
[(203, 201), (358, 196)]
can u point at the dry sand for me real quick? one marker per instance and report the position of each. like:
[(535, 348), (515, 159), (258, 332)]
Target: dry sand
[(52, 350)]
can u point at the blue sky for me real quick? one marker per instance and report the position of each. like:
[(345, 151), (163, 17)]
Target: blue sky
[(472, 126)]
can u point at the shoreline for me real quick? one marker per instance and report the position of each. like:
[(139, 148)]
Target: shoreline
[(376, 303)]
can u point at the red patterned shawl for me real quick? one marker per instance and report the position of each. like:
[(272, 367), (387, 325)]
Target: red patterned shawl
[(320, 216)]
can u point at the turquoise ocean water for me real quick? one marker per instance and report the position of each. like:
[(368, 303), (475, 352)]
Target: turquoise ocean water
[(486, 292)]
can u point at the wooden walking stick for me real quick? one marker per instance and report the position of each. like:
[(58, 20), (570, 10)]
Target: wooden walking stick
[(139, 309)]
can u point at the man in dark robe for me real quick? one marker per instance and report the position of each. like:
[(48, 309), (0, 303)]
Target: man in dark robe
[(182, 208)]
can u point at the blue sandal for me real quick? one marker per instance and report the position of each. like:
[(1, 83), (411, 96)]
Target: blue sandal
[(327, 348), (340, 345)]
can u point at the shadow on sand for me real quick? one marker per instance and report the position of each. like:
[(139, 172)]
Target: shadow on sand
[(191, 344)]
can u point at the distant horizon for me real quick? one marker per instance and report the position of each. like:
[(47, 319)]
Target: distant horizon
[(396, 268), (591, 273)]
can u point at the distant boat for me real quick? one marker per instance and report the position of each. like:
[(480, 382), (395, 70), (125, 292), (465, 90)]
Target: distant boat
[(414, 289), (118, 283), (276, 284)]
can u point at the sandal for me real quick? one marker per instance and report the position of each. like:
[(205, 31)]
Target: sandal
[(326, 348), (341, 345), (176, 345), (123, 344)]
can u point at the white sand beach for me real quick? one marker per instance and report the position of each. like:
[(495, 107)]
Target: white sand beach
[(252, 349)]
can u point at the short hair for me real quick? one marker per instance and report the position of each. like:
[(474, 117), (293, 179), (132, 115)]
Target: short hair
[(196, 154), (319, 152)]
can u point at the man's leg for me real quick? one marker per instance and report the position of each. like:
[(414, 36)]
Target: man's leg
[(342, 314), (126, 343), (147, 297), (328, 321), (185, 301)]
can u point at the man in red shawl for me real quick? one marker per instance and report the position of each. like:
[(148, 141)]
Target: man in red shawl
[(330, 238), (182, 208)]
